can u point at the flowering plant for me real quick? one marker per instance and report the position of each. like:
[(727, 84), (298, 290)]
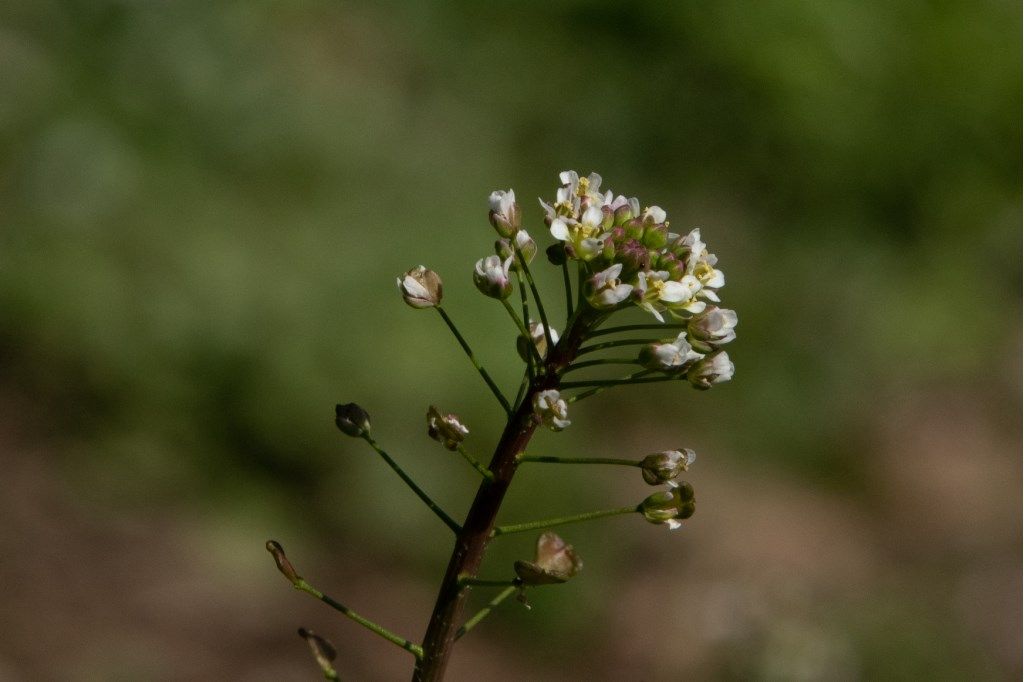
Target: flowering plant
[(623, 256)]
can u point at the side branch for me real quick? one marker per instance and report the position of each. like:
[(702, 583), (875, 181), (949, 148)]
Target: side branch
[(472, 358)]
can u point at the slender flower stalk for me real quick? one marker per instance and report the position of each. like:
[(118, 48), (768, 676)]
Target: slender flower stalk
[(478, 582), (600, 362), (536, 298), (615, 344), (547, 459), (481, 469), (632, 378), (568, 289), (485, 611), (433, 506), (472, 358), (415, 649), (636, 328), (562, 520), (523, 331)]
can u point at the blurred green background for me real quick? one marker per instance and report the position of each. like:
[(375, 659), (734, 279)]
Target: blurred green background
[(203, 207)]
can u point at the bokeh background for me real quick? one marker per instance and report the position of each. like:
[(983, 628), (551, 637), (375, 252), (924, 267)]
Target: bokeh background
[(204, 206)]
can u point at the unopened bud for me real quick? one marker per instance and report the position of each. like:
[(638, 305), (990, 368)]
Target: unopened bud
[(662, 467), (712, 369), (670, 506), (655, 236), (283, 565), (323, 652), (525, 245), (491, 277), (420, 287), (352, 420), (539, 340), (504, 214), (712, 328), (555, 562)]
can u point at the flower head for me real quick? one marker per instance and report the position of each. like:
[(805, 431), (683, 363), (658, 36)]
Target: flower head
[(446, 429), (670, 356), (670, 506), (555, 562), (552, 410), (712, 369), (491, 277), (420, 287), (663, 467)]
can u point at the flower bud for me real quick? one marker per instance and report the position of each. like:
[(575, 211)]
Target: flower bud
[(625, 209), (539, 339), (655, 236), (712, 328), (633, 255), (421, 288), (662, 467), (670, 506), (556, 254), (446, 429), (491, 277), (323, 652), (504, 214), (712, 369), (283, 565), (668, 357), (551, 409), (352, 420), (525, 245), (555, 562)]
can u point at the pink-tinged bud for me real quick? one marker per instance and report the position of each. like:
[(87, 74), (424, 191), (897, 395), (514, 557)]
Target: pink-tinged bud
[(504, 214), (420, 287), (491, 277), (634, 256)]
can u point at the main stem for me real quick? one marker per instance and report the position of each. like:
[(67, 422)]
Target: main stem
[(471, 542)]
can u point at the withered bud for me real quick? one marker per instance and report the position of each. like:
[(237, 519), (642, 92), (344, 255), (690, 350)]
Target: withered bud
[(420, 287), (323, 651), (352, 420), (662, 467), (283, 565), (555, 562)]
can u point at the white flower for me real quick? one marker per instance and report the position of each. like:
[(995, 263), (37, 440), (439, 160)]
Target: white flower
[(584, 236), (712, 328), (491, 277), (668, 357), (606, 291), (552, 410), (420, 287), (526, 246), (656, 214), (656, 292), (710, 370)]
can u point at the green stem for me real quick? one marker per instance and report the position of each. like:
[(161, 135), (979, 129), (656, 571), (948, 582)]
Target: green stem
[(548, 523), (485, 611), (615, 344), (602, 361), (594, 391), (481, 469), (635, 327), (479, 582), (523, 298), (633, 379), (523, 331), (536, 299), (578, 460), (568, 290), (415, 649), (524, 384), (433, 506), (472, 358)]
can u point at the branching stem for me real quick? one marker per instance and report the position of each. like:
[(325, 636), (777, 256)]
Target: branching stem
[(472, 358), (561, 520), (579, 460), (485, 611), (481, 469)]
